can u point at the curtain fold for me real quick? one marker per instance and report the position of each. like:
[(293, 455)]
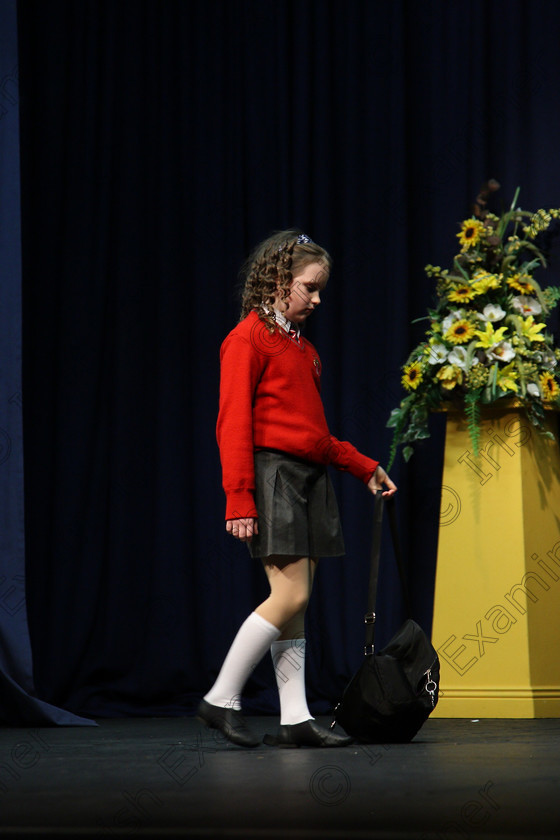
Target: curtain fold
[(19, 704)]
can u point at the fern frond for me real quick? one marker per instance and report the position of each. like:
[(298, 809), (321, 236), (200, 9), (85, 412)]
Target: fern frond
[(472, 411)]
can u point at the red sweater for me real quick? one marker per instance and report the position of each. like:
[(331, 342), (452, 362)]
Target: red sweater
[(270, 399)]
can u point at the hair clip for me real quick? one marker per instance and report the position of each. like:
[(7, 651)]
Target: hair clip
[(302, 239)]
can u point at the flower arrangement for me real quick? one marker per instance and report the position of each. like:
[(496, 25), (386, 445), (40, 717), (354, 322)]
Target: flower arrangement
[(487, 336)]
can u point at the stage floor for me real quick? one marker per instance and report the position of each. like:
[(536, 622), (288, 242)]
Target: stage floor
[(171, 777)]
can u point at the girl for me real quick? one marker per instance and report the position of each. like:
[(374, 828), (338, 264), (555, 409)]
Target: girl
[(275, 447)]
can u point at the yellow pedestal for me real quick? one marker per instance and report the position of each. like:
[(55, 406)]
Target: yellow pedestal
[(497, 596)]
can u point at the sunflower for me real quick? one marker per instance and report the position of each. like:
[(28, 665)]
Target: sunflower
[(412, 376), (521, 282), (549, 387), (470, 233), (462, 293), (459, 332)]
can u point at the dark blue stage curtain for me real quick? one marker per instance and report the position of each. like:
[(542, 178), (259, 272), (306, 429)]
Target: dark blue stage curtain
[(19, 704), (160, 141)]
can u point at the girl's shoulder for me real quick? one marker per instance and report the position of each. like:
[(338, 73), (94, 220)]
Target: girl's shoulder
[(244, 329), (257, 332), (251, 337)]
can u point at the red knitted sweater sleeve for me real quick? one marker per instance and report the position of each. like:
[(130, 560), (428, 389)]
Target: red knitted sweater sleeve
[(344, 456), (240, 371)]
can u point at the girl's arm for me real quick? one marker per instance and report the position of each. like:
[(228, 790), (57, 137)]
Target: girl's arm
[(240, 371), (344, 456)]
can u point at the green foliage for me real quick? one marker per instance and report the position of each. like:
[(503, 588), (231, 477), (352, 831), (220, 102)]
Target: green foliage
[(485, 338), (472, 411)]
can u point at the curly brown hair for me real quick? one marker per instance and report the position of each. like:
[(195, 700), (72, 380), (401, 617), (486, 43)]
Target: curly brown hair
[(271, 267)]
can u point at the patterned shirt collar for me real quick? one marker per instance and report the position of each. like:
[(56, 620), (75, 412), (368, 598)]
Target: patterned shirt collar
[(283, 322)]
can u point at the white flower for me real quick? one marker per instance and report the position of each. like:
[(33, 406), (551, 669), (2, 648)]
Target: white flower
[(526, 305), (458, 357), (456, 315), (501, 352), (437, 353), (545, 358), (533, 390), (492, 312)]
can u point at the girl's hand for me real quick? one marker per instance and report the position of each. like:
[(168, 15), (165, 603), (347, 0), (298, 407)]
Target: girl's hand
[(380, 478), (242, 529)]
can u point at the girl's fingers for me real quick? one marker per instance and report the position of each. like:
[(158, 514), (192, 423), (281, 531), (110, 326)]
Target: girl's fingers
[(242, 529), (392, 487), (381, 481)]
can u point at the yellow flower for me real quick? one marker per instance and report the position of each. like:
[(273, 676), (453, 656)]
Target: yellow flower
[(459, 332), (484, 281), (470, 233), (412, 376), (506, 377), (531, 330), (462, 293), (538, 222), (450, 375), (521, 282), (549, 387), (490, 336), (513, 244)]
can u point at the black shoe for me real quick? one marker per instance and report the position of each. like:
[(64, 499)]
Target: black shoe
[(306, 734), (230, 722)]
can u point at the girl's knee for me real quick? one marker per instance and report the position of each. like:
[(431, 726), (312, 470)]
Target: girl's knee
[(290, 586), (291, 607), (299, 603)]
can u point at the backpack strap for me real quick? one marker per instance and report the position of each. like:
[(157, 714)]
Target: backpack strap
[(369, 618)]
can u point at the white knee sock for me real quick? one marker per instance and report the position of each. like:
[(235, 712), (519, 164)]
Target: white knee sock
[(253, 639), (288, 657)]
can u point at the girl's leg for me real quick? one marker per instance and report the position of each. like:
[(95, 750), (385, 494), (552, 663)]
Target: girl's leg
[(221, 707), (290, 588), (281, 614), (291, 581), (288, 651), (252, 641)]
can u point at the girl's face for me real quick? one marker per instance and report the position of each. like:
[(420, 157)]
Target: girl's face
[(304, 295)]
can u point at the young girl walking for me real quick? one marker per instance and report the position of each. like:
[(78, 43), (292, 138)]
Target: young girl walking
[(274, 448)]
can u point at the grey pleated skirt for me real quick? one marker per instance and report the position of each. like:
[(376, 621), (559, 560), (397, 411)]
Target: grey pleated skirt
[(297, 508)]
